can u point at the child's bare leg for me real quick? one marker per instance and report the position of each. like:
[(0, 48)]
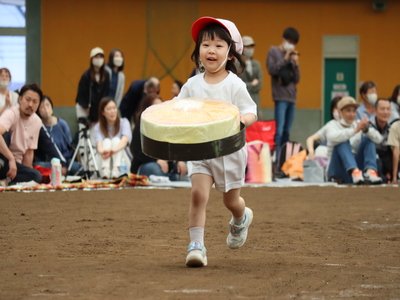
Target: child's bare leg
[(201, 185), (242, 217), (234, 203)]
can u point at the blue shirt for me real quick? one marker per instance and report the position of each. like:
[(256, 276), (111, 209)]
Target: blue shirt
[(61, 135)]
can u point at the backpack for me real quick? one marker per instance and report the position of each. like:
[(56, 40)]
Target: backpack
[(259, 163), (287, 151)]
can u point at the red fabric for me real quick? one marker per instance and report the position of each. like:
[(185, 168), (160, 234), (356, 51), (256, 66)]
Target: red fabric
[(262, 131), (46, 173)]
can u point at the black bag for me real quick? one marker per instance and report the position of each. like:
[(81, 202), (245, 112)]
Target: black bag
[(286, 74)]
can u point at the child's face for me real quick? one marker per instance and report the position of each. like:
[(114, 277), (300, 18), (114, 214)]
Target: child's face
[(214, 54)]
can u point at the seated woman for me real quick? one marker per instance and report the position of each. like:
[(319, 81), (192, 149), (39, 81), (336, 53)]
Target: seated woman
[(112, 136), (320, 136), (351, 146), (145, 165), (59, 132), (7, 98)]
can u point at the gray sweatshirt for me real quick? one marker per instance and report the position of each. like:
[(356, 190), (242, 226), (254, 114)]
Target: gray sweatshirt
[(275, 61)]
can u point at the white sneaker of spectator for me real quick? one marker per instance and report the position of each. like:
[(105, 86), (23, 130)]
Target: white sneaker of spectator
[(372, 177)]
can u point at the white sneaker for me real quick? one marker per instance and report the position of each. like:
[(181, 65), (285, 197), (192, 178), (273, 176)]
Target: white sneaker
[(357, 176), (105, 172), (238, 233), (372, 177), (197, 255), (115, 172)]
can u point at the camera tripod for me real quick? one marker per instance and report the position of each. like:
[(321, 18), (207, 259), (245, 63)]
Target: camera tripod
[(85, 143)]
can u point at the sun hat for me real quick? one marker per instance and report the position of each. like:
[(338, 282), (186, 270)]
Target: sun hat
[(347, 101), (202, 22), (248, 41), (95, 51)]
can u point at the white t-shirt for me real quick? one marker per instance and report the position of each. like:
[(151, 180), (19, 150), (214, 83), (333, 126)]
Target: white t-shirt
[(232, 89)]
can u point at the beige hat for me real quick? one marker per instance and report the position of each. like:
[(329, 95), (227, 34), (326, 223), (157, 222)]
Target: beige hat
[(347, 101), (96, 51), (248, 41)]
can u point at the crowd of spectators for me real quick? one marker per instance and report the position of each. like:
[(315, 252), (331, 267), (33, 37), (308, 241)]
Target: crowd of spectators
[(361, 140)]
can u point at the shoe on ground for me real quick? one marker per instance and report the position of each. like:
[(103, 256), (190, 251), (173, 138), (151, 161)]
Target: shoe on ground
[(238, 233), (115, 172), (357, 176), (372, 177), (105, 172), (197, 255)]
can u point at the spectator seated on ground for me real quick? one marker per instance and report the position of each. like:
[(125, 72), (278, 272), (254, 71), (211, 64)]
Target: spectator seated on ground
[(351, 147), (381, 123), (19, 134), (46, 150), (7, 98), (394, 143), (136, 92), (368, 96), (319, 138), (148, 166), (112, 136), (58, 132)]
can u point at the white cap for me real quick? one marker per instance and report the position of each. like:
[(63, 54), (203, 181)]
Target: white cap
[(95, 51), (248, 41)]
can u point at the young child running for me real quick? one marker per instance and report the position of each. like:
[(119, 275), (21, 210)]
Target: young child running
[(218, 45)]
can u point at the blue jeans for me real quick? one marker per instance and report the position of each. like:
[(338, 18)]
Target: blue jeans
[(153, 168), (284, 116), (343, 160)]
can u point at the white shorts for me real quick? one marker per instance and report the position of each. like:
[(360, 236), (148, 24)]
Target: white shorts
[(227, 171)]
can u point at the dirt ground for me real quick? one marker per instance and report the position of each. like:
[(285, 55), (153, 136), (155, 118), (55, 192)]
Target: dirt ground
[(305, 243)]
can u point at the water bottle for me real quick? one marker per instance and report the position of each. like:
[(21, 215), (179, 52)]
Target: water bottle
[(55, 172)]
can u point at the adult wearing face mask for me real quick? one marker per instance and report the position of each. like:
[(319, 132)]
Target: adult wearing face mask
[(7, 98), (368, 95), (93, 86), (252, 74), (283, 66), (115, 70)]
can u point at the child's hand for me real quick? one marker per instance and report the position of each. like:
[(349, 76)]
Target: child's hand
[(248, 119)]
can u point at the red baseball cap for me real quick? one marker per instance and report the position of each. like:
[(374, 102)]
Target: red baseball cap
[(202, 22)]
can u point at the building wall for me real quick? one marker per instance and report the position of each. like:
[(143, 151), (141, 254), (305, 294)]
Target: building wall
[(155, 37)]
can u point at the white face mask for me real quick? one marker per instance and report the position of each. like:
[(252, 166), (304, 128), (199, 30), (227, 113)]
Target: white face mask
[(372, 98), (336, 115), (224, 62), (288, 46), (98, 61), (398, 100), (248, 52), (344, 123), (4, 83), (118, 61)]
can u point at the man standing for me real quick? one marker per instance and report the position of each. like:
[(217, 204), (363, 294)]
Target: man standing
[(283, 66), (252, 74), (19, 134)]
